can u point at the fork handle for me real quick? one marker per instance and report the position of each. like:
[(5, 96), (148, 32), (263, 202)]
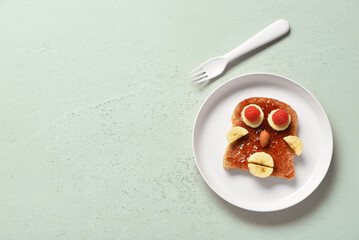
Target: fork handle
[(268, 34)]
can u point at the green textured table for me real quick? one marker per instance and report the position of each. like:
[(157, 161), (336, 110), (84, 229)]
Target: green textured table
[(97, 114)]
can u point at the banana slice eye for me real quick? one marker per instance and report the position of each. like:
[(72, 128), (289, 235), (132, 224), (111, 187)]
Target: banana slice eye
[(279, 119), (252, 115)]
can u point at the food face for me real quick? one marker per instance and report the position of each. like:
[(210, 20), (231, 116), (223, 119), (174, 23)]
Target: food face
[(263, 132)]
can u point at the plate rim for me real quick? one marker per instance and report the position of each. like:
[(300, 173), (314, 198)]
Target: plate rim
[(318, 180)]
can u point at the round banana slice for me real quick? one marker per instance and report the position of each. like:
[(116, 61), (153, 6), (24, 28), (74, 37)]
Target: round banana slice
[(260, 171), (261, 158), (249, 123), (275, 126), (260, 164), (236, 133), (295, 143)]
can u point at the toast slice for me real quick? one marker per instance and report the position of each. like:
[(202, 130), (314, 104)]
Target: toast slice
[(237, 152)]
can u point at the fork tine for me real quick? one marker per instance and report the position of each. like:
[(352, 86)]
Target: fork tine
[(196, 70), (198, 74), (200, 78)]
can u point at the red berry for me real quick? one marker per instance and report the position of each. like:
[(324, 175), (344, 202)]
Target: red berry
[(280, 117), (252, 113)]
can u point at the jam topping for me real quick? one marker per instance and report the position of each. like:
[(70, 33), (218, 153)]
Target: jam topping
[(280, 117), (277, 147), (252, 113)]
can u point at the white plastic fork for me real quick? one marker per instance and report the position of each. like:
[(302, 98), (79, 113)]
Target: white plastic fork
[(215, 66)]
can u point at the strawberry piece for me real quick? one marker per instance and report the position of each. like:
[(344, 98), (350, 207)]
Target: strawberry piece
[(280, 117), (252, 113)]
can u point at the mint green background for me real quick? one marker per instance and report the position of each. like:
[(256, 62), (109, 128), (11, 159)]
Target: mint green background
[(97, 114)]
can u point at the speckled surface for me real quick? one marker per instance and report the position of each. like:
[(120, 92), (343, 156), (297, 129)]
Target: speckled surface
[(97, 114)]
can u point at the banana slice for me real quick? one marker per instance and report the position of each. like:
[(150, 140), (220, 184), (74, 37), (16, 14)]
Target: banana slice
[(295, 143), (236, 133), (276, 127), (261, 158), (259, 171), (260, 164), (249, 123)]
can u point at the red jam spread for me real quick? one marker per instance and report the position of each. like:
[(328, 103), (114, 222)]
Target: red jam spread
[(249, 144)]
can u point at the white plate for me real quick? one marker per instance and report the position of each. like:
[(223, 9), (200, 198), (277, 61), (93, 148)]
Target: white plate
[(239, 187)]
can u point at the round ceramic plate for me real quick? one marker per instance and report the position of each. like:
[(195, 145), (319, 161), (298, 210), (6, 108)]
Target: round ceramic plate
[(239, 187)]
